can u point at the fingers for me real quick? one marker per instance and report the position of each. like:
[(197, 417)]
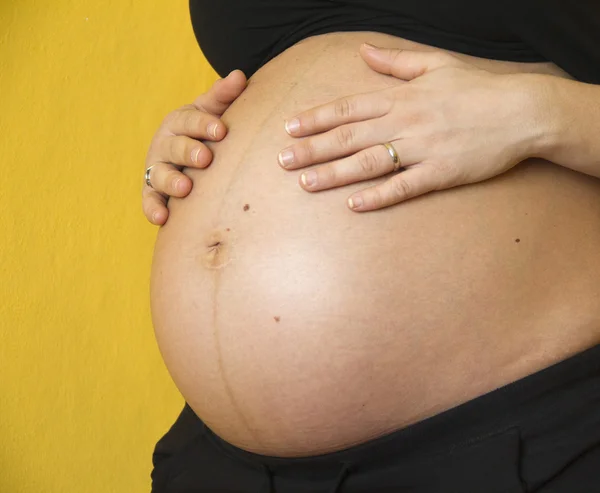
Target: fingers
[(367, 164), (154, 206), (415, 181), (200, 120), (339, 142), (177, 143), (194, 123), (183, 151), (168, 180), (406, 64), (222, 93), (349, 109)]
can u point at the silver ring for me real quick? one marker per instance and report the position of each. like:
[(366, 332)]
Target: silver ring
[(147, 176), (393, 154)]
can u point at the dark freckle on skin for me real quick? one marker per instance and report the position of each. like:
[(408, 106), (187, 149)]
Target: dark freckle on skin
[(518, 240), (228, 229), (246, 207), (277, 319)]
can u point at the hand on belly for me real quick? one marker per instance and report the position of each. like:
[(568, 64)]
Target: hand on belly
[(451, 124), (293, 325)]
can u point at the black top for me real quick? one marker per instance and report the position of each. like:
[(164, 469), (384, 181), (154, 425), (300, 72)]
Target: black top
[(246, 34)]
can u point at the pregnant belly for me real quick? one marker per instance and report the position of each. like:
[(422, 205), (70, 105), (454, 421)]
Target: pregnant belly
[(294, 326)]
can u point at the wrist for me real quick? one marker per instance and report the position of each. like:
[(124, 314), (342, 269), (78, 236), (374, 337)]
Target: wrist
[(541, 107)]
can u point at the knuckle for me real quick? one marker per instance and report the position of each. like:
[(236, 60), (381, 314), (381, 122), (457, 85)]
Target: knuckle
[(167, 120), (413, 119), (170, 118), (329, 175), (400, 187), (446, 172), (391, 98), (308, 151), (376, 198), (416, 117), (190, 122), (156, 178), (174, 150), (345, 136), (311, 120), (396, 57), (343, 108), (368, 162), (444, 168)]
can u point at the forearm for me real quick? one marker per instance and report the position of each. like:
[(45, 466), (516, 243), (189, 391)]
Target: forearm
[(566, 121)]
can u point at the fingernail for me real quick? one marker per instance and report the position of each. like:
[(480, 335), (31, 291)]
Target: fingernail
[(212, 130), (309, 179), (355, 202), (286, 158), (292, 126), (370, 46), (195, 154), (155, 217), (177, 184)]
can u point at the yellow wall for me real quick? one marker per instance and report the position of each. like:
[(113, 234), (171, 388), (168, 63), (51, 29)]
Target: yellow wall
[(84, 394)]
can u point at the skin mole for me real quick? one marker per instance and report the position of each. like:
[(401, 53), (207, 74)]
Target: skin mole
[(246, 207), (518, 240), (277, 319)]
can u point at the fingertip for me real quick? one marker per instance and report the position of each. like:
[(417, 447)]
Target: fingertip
[(183, 186), (239, 80), (238, 73), (159, 217), (355, 203), (195, 153), (307, 181), (235, 76), (231, 87), (373, 55), (369, 47), (202, 157), (214, 130), (220, 132), (292, 126)]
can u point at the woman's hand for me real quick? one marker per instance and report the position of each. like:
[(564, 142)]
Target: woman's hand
[(176, 144), (451, 124)]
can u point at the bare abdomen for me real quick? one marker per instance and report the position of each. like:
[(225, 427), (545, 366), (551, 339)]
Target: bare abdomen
[(294, 326)]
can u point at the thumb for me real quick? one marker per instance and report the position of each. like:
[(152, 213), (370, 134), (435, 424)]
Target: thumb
[(405, 64), (222, 93)]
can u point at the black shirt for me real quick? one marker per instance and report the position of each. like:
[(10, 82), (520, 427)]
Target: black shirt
[(246, 34)]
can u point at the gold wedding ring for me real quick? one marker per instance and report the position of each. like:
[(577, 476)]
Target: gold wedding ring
[(394, 155)]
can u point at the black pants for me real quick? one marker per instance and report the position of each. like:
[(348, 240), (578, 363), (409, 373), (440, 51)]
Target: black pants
[(538, 434)]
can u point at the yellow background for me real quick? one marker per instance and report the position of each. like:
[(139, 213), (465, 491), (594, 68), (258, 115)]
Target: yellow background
[(84, 394)]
